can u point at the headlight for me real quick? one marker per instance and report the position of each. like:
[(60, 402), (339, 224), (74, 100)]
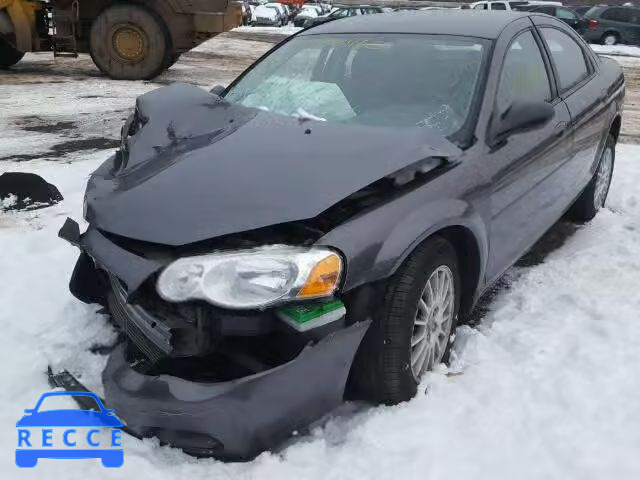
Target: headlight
[(252, 278)]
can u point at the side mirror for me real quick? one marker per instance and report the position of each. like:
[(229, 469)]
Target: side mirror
[(217, 90), (29, 410), (520, 117)]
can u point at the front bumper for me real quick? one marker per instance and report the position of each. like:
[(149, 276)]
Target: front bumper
[(237, 419), (229, 415)]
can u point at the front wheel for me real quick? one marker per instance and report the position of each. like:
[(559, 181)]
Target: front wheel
[(128, 42), (9, 56), (412, 329), (595, 194)]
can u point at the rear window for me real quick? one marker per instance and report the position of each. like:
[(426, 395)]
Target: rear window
[(391, 80)]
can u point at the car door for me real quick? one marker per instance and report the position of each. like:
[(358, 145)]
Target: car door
[(524, 191), (585, 96)]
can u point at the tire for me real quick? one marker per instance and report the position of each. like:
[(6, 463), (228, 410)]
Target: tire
[(173, 59), (383, 370), (9, 56), (593, 197), (610, 38), (129, 42)]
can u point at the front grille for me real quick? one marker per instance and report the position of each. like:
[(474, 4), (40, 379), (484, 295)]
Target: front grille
[(147, 333)]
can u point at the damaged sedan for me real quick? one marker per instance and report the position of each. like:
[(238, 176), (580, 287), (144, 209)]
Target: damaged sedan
[(255, 279)]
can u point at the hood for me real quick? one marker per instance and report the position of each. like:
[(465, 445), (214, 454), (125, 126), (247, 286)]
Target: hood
[(198, 167)]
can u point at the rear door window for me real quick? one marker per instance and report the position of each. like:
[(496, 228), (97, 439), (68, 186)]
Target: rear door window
[(568, 57), (480, 6), (498, 6)]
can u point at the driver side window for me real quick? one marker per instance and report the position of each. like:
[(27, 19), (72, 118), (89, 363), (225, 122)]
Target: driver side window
[(524, 76)]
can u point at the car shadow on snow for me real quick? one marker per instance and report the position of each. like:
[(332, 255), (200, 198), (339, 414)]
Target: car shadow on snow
[(552, 240)]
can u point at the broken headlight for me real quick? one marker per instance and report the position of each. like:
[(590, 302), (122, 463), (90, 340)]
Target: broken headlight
[(249, 279)]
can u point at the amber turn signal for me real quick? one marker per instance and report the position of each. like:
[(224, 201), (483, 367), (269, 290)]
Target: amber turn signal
[(323, 279)]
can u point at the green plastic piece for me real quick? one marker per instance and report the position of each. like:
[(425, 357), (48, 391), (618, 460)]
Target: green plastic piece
[(305, 313)]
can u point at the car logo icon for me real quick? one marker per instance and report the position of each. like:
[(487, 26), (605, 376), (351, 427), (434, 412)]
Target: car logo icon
[(27, 453)]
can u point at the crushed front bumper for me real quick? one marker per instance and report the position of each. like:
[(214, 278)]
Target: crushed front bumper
[(229, 419), (238, 419)]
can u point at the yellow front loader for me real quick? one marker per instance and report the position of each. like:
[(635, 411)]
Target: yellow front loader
[(127, 39)]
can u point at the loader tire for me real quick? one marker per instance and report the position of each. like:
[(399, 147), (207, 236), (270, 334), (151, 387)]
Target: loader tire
[(9, 56), (129, 42)]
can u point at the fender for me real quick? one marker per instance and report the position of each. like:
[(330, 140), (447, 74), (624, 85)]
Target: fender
[(405, 221), (22, 17)]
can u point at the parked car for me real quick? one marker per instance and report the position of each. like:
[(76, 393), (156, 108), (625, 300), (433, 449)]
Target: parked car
[(568, 16), (342, 12), (581, 9), (611, 25), (282, 10), (424, 156), (267, 15), (306, 12), (507, 5)]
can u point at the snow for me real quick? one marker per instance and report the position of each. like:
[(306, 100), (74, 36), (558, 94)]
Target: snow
[(8, 201), (545, 386), (288, 29), (621, 50)]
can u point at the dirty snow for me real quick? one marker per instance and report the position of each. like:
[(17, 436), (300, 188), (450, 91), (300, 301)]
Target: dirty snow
[(623, 50), (288, 29), (547, 384)]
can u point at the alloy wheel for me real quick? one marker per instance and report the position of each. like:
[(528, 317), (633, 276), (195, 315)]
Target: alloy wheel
[(433, 320), (603, 178)]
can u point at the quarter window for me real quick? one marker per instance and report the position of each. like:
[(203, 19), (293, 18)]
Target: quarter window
[(498, 6), (480, 6), (524, 76), (568, 57)]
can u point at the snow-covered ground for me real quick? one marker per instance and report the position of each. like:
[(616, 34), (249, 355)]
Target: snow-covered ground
[(288, 29), (546, 386), (622, 50)]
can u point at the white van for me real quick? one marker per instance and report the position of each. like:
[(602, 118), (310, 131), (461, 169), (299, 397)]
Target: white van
[(507, 5)]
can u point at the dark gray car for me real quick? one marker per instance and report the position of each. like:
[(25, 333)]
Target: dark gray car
[(427, 152), (611, 25)]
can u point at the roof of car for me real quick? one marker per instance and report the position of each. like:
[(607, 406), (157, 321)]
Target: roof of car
[(466, 23)]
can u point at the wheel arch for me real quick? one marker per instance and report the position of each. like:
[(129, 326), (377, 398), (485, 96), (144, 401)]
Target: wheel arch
[(467, 250), (401, 232), (615, 127), (17, 25), (612, 31)]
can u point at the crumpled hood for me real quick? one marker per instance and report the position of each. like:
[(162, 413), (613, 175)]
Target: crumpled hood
[(199, 167)]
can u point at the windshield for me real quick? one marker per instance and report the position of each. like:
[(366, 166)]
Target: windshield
[(394, 80)]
